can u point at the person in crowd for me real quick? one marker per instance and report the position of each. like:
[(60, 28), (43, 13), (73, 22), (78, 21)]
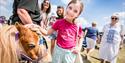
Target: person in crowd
[(60, 15), (60, 12), (65, 50), (70, 34), (91, 34), (45, 10), (111, 40), (26, 12)]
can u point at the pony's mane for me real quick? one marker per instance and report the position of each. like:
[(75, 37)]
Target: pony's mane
[(8, 45)]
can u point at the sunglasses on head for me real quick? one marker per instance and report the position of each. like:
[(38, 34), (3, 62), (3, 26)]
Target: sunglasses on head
[(114, 18), (46, 2)]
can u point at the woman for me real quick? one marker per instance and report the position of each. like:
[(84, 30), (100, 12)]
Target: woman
[(113, 35), (45, 10)]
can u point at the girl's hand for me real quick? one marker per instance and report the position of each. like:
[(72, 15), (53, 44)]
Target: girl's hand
[(33, 27), (76, 50)]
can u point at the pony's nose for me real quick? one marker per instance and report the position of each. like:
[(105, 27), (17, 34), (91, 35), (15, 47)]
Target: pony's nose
[(31, 46)]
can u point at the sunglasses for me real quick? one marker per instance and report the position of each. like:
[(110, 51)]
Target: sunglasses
[(114, 18)]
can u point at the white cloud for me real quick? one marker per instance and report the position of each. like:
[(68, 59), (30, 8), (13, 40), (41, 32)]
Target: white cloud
[(88, 1), (3, 11), (65, 1), (106, 17), (5, 6), (53, 9), (39, 2), (123, 3), (120, 14), (83, 22)]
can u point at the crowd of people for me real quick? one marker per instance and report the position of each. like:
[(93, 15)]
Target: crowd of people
[(65, 34), (3, 21)]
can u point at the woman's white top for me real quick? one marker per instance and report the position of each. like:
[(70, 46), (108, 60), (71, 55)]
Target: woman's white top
[(44, 22), (110, 42)]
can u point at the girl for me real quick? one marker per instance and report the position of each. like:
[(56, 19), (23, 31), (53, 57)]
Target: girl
[(113, 34), (45, 10), (65, 49)]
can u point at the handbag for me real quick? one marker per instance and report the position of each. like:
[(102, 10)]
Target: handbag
[(78, 56)]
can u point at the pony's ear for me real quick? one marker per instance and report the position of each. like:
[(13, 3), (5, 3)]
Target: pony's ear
[(20, 27), (17, 24)]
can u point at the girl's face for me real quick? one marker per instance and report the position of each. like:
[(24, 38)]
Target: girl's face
[(72, 11), (46, 4)]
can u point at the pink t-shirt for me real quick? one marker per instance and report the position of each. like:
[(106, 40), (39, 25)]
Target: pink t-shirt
[(67, 31)]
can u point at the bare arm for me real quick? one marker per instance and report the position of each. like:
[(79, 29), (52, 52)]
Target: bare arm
[(24, 16), (80, 43), (45, 32), (35, 27), (122, 38), (53, 42), (85, 32)]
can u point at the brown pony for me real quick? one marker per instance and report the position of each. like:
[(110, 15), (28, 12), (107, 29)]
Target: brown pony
[(27, 45)]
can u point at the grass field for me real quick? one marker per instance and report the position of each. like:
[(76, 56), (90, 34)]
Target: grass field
[(94, 58)]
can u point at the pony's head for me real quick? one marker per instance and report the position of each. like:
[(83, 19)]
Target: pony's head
[(29, 40), (28, 43)]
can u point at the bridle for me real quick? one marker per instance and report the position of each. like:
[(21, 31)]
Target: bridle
[(24, 57)]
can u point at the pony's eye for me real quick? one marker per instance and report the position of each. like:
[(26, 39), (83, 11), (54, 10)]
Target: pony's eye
[(31, 45)]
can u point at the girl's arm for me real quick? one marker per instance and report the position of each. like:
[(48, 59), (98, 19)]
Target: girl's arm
[(35, 27), (78, 47), (46, 32), (80, 43), (85, 32)]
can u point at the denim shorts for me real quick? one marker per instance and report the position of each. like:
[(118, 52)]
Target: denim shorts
[(53, 36)]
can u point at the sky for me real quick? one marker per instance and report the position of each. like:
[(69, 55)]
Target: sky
[(94, 10)]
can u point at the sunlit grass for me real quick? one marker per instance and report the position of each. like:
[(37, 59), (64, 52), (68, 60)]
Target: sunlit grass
[(94, 57)]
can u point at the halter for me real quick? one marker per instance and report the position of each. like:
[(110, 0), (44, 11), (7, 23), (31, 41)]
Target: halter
[(24, 57), (27, 58)]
